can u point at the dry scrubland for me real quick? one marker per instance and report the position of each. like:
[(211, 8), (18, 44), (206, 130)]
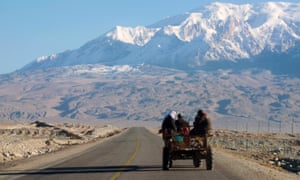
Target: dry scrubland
[(271, 149), (19, 141), (147, 93)]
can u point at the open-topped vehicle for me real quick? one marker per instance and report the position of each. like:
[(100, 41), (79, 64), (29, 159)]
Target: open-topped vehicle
[(181, 147)]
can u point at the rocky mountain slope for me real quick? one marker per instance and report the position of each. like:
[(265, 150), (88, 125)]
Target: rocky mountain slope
[(146, 93)]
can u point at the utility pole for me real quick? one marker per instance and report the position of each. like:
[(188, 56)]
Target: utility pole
[(293, 126), (280, 126)]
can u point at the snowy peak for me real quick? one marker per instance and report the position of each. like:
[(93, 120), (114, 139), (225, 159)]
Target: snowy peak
[(189, 29), (212, 33), (137, 36), (221, 11)]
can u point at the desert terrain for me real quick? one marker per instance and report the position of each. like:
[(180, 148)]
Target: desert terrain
[(22, 141), (27, 145), (147, 93), (276, 150)]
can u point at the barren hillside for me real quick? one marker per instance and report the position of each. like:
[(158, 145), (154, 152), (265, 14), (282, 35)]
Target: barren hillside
[(252, 98)]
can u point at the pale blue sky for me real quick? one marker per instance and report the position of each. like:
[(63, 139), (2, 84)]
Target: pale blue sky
[(33, 28)]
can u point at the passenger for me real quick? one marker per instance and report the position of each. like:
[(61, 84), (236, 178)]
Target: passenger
[(182, 126), (202, 124), (168, 127)]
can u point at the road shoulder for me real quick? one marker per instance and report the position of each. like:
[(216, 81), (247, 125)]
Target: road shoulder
[(56, 157)]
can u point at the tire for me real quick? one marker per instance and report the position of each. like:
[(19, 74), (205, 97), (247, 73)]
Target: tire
[(165, 158), (196, 162), (170, 164), (209, 159), (196, 159)]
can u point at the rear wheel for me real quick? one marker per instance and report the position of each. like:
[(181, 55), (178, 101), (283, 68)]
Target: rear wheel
[(196, 161), (170, 164), (209, 159), (165, 158)]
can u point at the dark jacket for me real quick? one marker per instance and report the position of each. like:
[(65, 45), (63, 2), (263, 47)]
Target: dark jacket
[(180, 123), (183, 127), (168, 126), (202, 125)]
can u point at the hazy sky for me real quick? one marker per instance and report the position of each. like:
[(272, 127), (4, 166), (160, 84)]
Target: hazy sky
[(33, 28)]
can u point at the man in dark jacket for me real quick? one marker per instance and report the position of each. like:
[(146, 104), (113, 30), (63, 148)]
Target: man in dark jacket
[(168, 129), (202, 124), (168, 126)]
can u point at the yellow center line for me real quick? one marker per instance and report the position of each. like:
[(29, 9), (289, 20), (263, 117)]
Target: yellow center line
[(128, 162)]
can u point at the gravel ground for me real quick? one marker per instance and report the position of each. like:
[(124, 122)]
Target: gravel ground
[(23, 141), (243, 162)]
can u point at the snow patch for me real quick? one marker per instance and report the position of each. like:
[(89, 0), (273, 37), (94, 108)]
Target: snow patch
[(138, 36), (43, 58), (101, 69)]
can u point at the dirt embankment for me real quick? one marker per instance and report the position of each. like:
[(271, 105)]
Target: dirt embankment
[(21, 141)]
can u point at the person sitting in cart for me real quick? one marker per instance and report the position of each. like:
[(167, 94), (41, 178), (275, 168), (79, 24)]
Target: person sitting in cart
[(183, 127), (168, 127), (202, 124)]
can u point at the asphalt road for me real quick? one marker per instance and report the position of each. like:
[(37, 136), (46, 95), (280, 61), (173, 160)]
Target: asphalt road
[(135, 154)]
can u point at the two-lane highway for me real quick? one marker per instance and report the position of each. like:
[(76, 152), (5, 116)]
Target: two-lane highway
[(135, 154)]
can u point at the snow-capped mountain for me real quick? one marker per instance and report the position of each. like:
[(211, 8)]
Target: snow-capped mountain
[(213, 33)]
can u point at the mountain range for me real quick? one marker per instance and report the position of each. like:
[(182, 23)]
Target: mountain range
[(203, 38), (240, 63)]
